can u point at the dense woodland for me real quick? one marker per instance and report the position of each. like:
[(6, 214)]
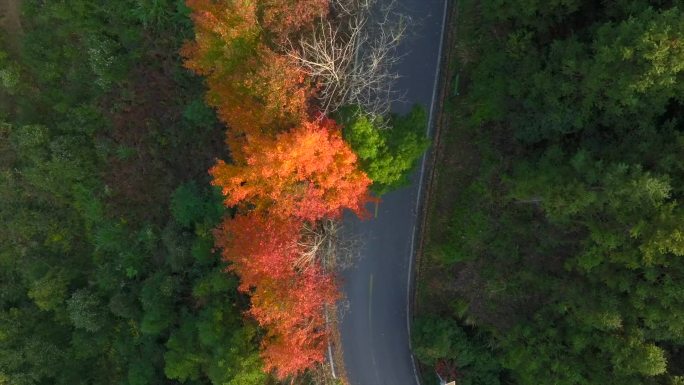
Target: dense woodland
[(108, 270), (160, 165), (556, 241)]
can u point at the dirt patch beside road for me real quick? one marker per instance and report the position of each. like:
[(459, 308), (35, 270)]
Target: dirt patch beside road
[(10, 22)]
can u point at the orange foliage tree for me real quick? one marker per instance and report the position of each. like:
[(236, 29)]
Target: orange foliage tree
[(309, 172), (287, 16), (278, 183), (226, 34), (252, 87), (289, 167), (267, 94)]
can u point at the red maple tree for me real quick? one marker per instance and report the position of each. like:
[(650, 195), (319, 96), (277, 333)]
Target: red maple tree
[(258, 247), (298, 334), (288, 302)]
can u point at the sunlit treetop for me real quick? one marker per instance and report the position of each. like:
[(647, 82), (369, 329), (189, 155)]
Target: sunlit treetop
[(252, 87), (226, 33), (309, 172), (283, 17)]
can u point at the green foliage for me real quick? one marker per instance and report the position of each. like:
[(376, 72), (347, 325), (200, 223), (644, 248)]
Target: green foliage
[(157, 297), (212, 343), (208, 344), (388, 150), (187, 205), (9, 74), (469, 231), (566, 244), (50, 291), (199, 114), (141, 373), (102, 265), (433, 339), (438, 339), (163, 15), (85, 311), (621, 76)]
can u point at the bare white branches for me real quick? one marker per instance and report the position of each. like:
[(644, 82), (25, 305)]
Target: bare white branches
[(323, 242), (351, 56)]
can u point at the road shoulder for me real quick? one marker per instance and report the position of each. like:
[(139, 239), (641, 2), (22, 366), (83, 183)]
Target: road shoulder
[(452, 163)]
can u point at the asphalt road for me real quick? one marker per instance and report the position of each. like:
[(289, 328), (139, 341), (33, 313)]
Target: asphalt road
[(375, 336)]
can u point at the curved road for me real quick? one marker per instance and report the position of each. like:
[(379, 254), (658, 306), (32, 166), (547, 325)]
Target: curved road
[(375, 335)]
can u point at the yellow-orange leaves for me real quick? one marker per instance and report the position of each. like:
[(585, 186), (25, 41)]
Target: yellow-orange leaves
[(226, 33), (252, 87), (286, 16), (309, 172)]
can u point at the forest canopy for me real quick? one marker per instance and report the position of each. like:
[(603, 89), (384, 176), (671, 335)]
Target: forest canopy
[(561, 243), (108, 273)]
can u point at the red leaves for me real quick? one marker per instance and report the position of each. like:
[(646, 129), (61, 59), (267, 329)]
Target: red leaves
[(288, 302), (297, 332), (258, 246)]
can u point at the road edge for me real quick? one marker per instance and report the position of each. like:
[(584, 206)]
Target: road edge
[(334, 353), (426, 182), (427, 173)]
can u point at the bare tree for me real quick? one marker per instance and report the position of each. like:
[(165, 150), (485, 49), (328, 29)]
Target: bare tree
[(324, 242), (352, 55)]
